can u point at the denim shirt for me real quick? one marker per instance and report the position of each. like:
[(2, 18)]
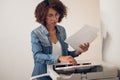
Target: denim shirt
[(42, 49)]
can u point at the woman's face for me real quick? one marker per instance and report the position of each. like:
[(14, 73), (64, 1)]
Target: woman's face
[(52, 17)]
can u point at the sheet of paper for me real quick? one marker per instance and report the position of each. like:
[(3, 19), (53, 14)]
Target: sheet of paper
[(85, 34)]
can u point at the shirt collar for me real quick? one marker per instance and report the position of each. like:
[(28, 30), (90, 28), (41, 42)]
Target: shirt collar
[(45, 31)]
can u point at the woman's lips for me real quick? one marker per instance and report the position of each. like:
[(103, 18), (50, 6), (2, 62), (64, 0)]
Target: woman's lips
[(54, 23)]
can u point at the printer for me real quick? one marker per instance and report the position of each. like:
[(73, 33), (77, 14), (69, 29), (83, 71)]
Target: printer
[(82, 71)]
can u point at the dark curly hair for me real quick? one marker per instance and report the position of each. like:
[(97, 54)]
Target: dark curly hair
[(42, 9)]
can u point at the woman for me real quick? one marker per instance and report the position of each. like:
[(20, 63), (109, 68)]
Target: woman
[(47, 40)]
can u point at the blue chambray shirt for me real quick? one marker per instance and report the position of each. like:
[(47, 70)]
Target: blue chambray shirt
[(42, 49)]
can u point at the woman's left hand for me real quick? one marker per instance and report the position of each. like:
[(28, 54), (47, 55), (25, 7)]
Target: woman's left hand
[(83, 48)]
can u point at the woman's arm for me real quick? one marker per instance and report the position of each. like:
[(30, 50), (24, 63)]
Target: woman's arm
[(38, 55), (82, 48)]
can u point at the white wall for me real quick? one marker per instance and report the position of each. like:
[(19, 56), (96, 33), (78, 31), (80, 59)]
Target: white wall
[(17, 21), (110, 18)]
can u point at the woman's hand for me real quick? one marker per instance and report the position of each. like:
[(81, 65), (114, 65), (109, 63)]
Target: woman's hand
[(68, 59), (83, 48)]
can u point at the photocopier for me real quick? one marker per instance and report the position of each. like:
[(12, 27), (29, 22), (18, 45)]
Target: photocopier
[(82, 71)]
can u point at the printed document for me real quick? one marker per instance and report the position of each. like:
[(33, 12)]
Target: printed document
[(85, 34)]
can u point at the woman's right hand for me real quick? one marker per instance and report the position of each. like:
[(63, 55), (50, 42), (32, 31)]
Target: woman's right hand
[(69, 59)]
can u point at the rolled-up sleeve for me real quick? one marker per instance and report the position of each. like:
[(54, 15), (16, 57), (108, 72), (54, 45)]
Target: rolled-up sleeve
[(38, 54)]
